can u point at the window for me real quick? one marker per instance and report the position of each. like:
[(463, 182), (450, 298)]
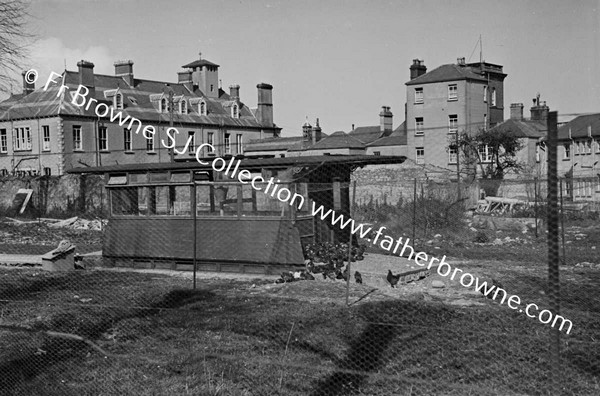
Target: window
[(376, 152), (77, 143), (118, 101), (202, 108), (420, 155), (537, 153), (419, 130), (210, 140), (127, 139), (588, 144), (150, 144), (567, 154), (212, 88), (22, 139), (493, 96), (452, 155), (3, 141), (102, 139), (235, 111), (485, 122), (239, 147), (452, 123), (163, 106), (485, 93), (598, 146), (227, 143), (452, 92), (192, 140), (183, 106), (46, 137), (485, 154), (418, 95)]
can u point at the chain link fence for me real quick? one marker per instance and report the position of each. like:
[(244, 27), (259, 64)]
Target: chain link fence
[(301, 307)]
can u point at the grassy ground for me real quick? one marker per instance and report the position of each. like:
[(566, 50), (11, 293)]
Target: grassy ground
[(257, 338)]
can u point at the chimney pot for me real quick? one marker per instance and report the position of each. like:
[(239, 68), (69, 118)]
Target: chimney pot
[(124, 69), (234, 92), (417, 68), (86, 73), (385, 119), (516, 111)]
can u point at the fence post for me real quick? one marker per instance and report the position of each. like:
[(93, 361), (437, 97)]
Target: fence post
[(193, 208), (553, 253), (535, 204), (562, 222), (414, 210), (350, 247)]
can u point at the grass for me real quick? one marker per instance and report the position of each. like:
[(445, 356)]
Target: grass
[(229, 338)]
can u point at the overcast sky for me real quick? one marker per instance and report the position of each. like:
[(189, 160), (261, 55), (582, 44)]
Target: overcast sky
[(339, 61)]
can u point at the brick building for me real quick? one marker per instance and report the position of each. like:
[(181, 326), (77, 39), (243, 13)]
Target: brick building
[(42, 131), (449, 99)]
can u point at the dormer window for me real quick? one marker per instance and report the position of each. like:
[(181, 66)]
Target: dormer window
[(163, 106), (118, 101), (202, 108), (183, 106), (235, 111)]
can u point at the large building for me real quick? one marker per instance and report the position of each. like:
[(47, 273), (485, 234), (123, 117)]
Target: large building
[(449, 99), (47, 131)]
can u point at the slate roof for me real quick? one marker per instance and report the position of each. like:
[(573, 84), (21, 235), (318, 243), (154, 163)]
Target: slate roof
[(367, 134), (273, 144), (396, 138), (200, 63), (579, 126), (449, 72), (248, 163), (136, 100), (525, 128), (339, 139)]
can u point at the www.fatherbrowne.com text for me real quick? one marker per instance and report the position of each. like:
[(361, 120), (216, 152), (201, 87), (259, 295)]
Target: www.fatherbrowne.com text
[(80, 99)]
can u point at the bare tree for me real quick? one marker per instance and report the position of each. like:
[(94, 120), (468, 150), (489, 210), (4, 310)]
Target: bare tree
[(14, 40)]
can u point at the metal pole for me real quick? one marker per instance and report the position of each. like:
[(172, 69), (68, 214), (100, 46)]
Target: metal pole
[(553, 252), (193, 208), (535, 207), (562, 222), (457, 168), (414, 210), (350, 249)]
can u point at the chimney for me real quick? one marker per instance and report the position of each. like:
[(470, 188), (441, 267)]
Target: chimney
[(264, 112), (28, 86), (385, 119), (306, 133), (460, 61), (316, 132), (417, 68), (185, 78), (86, 73), (234, 92), (516, 111), (124, 69), (539, 111)]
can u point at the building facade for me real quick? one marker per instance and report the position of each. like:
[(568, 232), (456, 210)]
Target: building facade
[(452, 98), (48, 131)]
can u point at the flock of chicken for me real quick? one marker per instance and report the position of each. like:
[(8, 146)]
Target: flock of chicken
[(328, 260)]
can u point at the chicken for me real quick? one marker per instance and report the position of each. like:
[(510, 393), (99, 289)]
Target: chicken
[(357, 277), (392, 279)]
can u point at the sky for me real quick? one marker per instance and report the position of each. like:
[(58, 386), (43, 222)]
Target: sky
[(338, 61)]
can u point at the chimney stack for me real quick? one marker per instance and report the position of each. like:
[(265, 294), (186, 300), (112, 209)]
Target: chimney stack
[(460, 61), (417, 68), (316, 132), (124, 69), (28, 86), (516, 111), (185, 78), (86, 73), (264, 112), (539, 111), (234, 92), (306, 133), (386, 120)]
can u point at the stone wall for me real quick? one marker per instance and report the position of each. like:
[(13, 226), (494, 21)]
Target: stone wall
[(56, 196)]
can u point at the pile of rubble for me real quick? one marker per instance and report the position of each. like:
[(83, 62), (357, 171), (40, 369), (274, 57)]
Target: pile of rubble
[(74, 223)]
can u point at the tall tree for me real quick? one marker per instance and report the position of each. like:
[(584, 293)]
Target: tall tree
[(14, 40)]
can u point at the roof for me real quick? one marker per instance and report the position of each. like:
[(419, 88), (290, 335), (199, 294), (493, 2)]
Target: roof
[(367, 134), (579, 126), (200, 63), (449, 72), (248, 163), (396, 138), (136, 100), (277, 143), (524, 128), (339, 139)]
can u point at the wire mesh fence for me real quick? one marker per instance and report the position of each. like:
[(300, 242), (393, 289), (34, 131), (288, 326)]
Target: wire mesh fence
[(387, 304)]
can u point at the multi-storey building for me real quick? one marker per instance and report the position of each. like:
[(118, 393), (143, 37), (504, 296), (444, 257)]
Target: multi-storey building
[(47, 131), (449, 99)]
